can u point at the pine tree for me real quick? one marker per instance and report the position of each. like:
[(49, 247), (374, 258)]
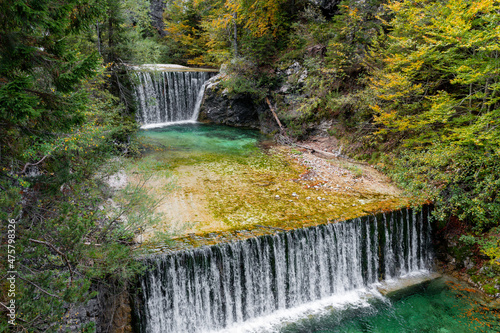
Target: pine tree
[(57, 126)]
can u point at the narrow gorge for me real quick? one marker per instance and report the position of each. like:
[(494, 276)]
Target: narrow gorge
[(264, 166)]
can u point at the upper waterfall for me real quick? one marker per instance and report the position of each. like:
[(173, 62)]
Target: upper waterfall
[(168, 95)]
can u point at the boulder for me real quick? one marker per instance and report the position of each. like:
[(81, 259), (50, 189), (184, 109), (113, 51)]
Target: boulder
[(328, 7), (241, 110)]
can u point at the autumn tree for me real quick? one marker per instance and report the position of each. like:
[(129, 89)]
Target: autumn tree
[(436, 87), (249, 28), (184, 32), (210, 32)]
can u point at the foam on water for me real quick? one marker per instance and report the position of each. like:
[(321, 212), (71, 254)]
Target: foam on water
[(235, 285)]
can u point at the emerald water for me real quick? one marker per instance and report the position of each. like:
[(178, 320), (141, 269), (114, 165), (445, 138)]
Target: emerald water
[(196, 139), (440, 306), (232, 178)]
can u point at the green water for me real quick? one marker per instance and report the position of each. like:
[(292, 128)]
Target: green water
[(196, 139), (439, 306)]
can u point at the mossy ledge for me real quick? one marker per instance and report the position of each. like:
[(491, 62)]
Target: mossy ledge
[(232, 184)]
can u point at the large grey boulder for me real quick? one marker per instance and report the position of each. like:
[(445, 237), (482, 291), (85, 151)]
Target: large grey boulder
[(220, 108)]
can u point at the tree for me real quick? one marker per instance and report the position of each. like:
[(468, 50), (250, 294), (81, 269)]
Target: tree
[(260, 24), (214, 31), (437, 89), (58, 125), (185, 34)]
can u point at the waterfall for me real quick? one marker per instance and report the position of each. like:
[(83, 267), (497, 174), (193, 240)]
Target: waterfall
[(167, 97), (211, 288)]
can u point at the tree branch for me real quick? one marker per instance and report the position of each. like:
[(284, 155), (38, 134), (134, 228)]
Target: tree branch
[(37, 286), (274, 114), (60, 253), (33, 164)]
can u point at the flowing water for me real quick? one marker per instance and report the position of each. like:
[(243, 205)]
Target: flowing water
[(227, 285), (323, 278), (165, 98), (438, 306)]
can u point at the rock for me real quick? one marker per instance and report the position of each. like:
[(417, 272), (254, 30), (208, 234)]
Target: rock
[(293, 69), (117, 181), (285, 88), (240, 110), (328, 7), (468, 263)]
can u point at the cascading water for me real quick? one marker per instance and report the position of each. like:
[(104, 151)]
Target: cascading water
[(210, 288), (165, 97)]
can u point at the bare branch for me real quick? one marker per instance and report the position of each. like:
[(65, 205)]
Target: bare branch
[(274, 114), (58, 252), (33, 164), (37, 286)]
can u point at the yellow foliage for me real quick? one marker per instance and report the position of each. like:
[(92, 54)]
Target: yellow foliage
[(494, 254), (440, 70)]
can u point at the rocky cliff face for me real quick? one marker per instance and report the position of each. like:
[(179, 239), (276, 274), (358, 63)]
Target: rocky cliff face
[(108, 312), (241, 110)]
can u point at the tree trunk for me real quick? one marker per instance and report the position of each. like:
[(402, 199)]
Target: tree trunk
[(235, 35), (98, 38)]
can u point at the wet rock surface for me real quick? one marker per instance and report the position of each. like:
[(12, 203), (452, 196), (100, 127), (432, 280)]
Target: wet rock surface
[(219, 108), (240, 111)]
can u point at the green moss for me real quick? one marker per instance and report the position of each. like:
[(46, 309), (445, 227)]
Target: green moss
[(242, 187), (489, 289)]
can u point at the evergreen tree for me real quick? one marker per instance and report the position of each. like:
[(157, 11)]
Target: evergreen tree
[(58, 125)]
